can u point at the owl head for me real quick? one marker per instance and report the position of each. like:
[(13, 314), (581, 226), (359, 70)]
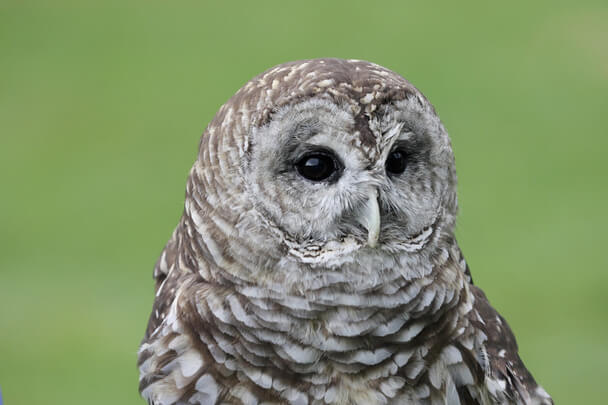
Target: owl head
[(321, 161)]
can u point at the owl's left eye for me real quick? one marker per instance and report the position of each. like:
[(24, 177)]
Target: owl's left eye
[(318, 166), (396, 162)]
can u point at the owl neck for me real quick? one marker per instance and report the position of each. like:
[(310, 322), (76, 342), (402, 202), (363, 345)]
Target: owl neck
[(335, 320)]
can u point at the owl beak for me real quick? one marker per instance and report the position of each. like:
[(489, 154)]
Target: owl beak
[(369, 217)]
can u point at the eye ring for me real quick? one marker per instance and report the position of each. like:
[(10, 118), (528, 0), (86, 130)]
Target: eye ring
[(396, 162), (318, 166)]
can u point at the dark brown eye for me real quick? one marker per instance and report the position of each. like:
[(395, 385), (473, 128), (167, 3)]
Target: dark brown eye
[(317, 166), (396, 162)]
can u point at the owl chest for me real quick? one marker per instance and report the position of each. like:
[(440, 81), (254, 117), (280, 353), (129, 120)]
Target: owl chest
[(304, 366), (387, 359), (386, 375), (377, 385)]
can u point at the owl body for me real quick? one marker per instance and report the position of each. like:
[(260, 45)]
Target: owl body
[(315, 262)]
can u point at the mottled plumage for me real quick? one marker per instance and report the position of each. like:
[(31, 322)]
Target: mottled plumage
[(316, 263)]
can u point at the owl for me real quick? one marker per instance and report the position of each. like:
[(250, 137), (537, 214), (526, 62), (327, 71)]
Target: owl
[(315, 261)]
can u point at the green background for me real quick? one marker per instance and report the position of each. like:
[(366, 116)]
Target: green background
[(101, 109)]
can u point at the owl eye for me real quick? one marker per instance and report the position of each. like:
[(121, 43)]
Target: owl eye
[(396, 162), (318, 166)]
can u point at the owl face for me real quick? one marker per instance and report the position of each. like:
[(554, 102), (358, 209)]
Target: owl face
[(325, 162), (334, 179)]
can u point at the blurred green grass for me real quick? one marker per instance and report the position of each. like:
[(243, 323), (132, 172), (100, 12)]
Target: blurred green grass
[(102, 105)]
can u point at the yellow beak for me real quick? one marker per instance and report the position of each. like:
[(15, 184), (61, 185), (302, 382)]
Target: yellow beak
[(370, 219)]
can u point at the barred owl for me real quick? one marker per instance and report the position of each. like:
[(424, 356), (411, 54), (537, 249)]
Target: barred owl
[(315, 261)]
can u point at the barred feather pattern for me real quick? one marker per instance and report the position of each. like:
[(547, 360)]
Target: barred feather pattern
[(246, 313)]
